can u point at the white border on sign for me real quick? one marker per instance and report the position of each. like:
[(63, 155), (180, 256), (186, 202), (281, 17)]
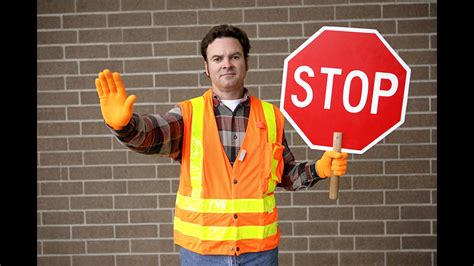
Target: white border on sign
[(306, 43)]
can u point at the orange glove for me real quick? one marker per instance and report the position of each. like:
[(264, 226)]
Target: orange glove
[(332, 160), (117, 108)]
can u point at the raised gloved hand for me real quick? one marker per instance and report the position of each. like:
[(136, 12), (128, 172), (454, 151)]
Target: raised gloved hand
[(332, 160), (117, 108)]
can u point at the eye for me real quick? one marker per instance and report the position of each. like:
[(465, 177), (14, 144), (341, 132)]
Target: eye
[(236, 57), (216, 59)]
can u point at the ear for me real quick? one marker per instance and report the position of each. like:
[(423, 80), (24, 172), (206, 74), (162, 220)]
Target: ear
[(206, 69)]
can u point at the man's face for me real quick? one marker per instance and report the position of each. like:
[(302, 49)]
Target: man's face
[(226, 64)]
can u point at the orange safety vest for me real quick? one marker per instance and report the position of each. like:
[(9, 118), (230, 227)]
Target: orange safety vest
[(225, 210)]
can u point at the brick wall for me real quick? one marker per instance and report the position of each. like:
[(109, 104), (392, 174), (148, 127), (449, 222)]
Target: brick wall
[(101, 204)]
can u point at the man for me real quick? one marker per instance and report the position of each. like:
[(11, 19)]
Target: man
[(233, 153)]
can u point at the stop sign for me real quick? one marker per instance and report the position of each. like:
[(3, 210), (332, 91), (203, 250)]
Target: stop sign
[(344, 80)]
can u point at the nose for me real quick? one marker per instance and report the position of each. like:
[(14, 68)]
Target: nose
[(227, 63)]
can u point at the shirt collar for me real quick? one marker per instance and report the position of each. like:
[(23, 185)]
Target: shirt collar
[(216, 100)]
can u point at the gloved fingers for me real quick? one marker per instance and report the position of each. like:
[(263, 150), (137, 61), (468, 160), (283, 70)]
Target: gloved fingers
[(339, 162), (339, 173), (110, 81), (335, 154), (338, 168), (99, 88), (119, 83), (129, 103), (103, 83)]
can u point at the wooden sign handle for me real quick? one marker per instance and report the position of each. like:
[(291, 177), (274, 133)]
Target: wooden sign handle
[(334, 180)]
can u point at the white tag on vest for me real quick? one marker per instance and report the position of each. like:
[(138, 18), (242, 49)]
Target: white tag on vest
[(242, 155)]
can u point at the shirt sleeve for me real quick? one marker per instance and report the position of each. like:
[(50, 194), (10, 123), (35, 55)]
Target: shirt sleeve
[(154, 134), (297, 175)]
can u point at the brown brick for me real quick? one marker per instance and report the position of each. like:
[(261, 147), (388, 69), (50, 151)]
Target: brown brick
[(49, 83), (292, 213), (92, 232), (88, 172), (408, 227), (100, 35), (52, 203), (135, 202), (195, 33), (63, 218), (278, 3), (103, 157), (123, 260), (293, 243), (269, 46), (362, 258), (407, 167), (380, 152), (408, 258), (94, 67), (53, 232), (58, 129), (376, 213), (138, 158), (50, 114), (53, 261), (129, 19), (61, 188), (91, 5), (419, 242), (375, 182), (330, 213), (186, 64), (377, 243), (64, 247), (181, 95), (51, 144), (400, 197), (151, 216), (361, 228), (106, 187), (145, 65), (331, 243), (315, 228), (143, 4), (169, 259), (311, 28), (103, 260), (51, 173), (309, 198), (49, 53), (106, 217), (108, 246), (417, 26), (90, 143), (152, 246), (131, 50), (136, 231), (56, 37), (266, 15), (280, 30), (175, 18), (418, 181), (220, 17), (176, 80), (54, 6), (84, 21), (418, 151), (312, 13), (286, 228), (409, 136), (419, 57), (187, 4), (144, 34), (405, 10), (358, 12), (175, 48), (167, 201), (88, 202), (263, 77), (149, 186), (418, 212), (365, 167), (382, 26), (87, 51), (134, 172), (166, 230), (320, 258), (56, 68)]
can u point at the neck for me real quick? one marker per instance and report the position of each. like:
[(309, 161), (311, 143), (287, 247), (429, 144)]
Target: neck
[(233, 94)]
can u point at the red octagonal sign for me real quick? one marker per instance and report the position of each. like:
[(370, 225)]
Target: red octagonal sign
[(344, 80)]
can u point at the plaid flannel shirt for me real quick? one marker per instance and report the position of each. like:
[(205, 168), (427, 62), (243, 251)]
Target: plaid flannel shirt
[(162, 135)]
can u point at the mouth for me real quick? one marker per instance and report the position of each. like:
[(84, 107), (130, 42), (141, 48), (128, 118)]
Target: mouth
[(228, 74)]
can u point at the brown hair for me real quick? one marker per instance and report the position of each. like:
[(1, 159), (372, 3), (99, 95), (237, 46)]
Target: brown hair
[(225, 30)]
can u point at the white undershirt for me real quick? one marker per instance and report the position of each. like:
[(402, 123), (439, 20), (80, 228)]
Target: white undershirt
[(232, 104)]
